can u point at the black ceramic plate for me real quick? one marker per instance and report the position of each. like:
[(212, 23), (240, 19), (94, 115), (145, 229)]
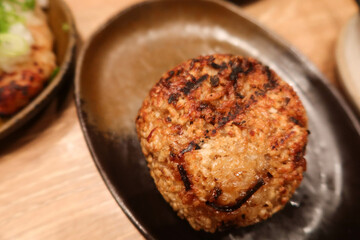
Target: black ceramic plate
[(64, 47), (127, 56)]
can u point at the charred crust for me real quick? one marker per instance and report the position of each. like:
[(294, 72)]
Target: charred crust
[(268, 73), (238, 95), (192, 63), (173, 98), (172, 155), (223, 121), (189, 148), (189, 86), (192, 146), (234, 73), (216, 192), (170, 75), (201, 79), (214, 81), (217, 66), (184, 177), (272, 83), (295, 121), (203, 106), (249, 69), (287, 100), (219, 107), (179, 71), (240, 202), (239, 123)]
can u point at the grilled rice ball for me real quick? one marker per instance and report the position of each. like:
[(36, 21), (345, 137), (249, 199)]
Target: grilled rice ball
[(224, 138)]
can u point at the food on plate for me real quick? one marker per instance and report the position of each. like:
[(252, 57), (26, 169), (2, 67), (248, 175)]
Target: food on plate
[(26, 57), (224, 138)]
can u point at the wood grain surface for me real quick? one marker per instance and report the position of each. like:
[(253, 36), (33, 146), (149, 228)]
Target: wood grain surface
[(49, 185)]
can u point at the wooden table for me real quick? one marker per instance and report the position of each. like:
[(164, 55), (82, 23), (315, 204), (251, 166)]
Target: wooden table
[(49, 185)]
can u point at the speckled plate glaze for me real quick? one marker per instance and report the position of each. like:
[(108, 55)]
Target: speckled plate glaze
[(62, 26), (123, 59)]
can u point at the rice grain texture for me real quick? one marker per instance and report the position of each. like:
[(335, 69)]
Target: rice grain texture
[(224, 138)]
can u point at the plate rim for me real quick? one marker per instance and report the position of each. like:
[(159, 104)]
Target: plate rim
[(229, 6)]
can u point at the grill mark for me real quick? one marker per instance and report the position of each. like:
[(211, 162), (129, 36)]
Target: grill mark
[(268, 72), (171, 74), (239, 123), (239, 95), (230, 116), (217, 66), (190, 147), (296, 121), (192, 63), (272, 83), (189, 86), (184, 177), (234, 73), (269, 175), (250, 68), (211, 58), (239, 109), (174, 97), (240, 202), (214, 81), (242, 109)]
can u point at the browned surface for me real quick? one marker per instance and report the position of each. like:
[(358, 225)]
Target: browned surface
[(219, 124), (49, 186)]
